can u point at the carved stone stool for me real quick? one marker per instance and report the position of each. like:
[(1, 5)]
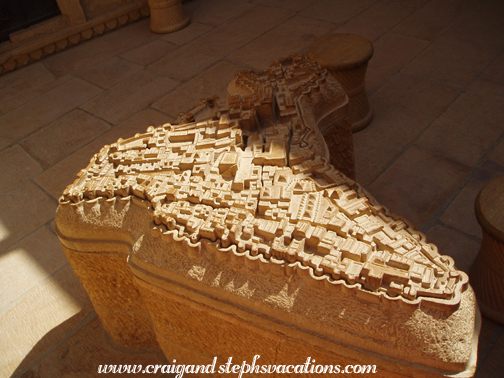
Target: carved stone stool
[(346, 56), (167, 16), (487, 272)]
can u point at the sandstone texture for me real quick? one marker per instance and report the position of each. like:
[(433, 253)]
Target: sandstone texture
[(232, 234)]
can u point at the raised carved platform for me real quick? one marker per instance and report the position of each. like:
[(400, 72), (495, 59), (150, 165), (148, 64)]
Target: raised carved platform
[(234, 236)]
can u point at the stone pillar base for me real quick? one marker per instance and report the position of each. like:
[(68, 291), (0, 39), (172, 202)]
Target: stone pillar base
[(167, 16), (487, 271)]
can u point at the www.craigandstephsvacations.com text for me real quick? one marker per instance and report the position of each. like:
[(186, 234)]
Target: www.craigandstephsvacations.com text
[(229, 368)]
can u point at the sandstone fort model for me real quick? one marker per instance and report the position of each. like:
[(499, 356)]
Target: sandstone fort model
[(231, 234)]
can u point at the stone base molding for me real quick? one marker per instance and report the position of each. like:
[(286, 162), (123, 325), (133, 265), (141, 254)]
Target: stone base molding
[(62, 32)]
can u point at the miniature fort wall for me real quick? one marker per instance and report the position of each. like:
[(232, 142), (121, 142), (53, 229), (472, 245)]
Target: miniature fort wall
[(242, 239)]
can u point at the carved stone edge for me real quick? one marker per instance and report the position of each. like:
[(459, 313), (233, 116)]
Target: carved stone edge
[(145, 271), (66, 38), (146, 276), (213, 252)]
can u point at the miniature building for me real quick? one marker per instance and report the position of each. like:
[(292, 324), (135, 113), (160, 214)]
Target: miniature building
[(230, 236)]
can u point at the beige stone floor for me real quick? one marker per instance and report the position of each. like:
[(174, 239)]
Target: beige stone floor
[(436, 83)]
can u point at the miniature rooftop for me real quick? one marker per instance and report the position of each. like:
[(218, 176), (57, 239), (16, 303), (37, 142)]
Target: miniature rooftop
[(435, 83)]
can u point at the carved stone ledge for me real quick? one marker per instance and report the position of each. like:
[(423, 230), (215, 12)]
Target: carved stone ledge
[(30, 52), (230, 236)]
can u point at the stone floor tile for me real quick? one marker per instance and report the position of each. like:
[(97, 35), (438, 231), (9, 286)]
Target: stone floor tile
[(391, 53), (28, 95), (100, 48), (84, 352), (29, 262), (460, 213), (40, 111), (336, 11), (462, 61), (489, 334), (108, 72), (213, 81), (455, 244), (150, 52), (55, 179), (434, 18), (23, 210), (219, 42), (417, 183), (411, 3), (32, 325), (376, 21), (483, 25), (129, 96), (403, 108), (495, 72), (291, 37), (493, 365), (52, 226), (215, 12), (63, 136), (190, 32), (495, 160), (470, 126), (15, 83), (17, 166), (295, 5)]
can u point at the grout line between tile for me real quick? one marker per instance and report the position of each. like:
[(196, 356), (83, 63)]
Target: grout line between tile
[(41, 127), (410, 144), (478, 77), (413, 141), (54, 200), (347, 21), (45, 166), (450, 227), (441, 209), (19, 143), (400, 70)]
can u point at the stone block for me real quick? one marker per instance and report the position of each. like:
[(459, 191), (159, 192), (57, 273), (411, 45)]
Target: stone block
[(234, 234)]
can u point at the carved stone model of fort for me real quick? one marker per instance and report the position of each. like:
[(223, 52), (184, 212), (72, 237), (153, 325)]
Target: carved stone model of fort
[(231, 234)]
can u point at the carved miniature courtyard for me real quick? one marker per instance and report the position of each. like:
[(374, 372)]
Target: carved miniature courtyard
[(261, 189)]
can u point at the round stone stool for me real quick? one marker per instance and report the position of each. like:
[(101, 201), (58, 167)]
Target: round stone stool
[(487, 272), (167, 16), (346, 57)]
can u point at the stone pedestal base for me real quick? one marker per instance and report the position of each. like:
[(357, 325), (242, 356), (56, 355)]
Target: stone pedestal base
[(167, 16), (487, 272)]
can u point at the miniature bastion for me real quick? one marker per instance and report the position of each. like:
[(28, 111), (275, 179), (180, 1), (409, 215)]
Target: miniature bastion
[(238, 232)]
